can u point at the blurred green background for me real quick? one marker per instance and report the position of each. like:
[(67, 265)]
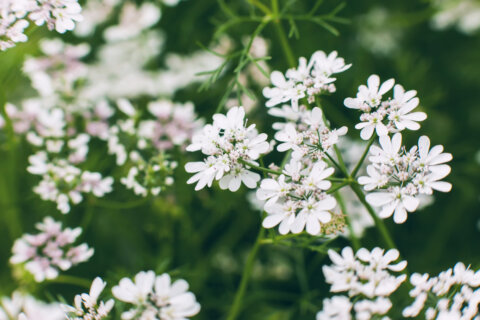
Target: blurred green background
[(205, 236)]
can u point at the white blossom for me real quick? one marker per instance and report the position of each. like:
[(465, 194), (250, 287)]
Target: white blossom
[(156, 297), (49, 251)]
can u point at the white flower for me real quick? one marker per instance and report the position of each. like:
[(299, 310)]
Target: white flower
[(236, 176), (367, 273), (385, 116), (370, 96), (133, 20), (87, 306), (396, 202), (271, 190), (373, 122), (388, 153), (313, 214), (402, 104), (432, 158), (374, 180), (206, 172), (156, 297), (309, 79), (283, 91), (280, 214), (289, 138), (22, 306), (336, 308), (50, 250), (135, 292), (174, 299), (231, 146)]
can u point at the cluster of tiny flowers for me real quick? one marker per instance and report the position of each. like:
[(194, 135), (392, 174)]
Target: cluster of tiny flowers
[(230, 146), (367, 276), (404, 176), (384, 117), (64, 183), (56, 14), (305, 132), (156, 297), (52, 249), (296, 199), (308, 80), (142, 145), (25, 307), (464, 15), (62, 120), (86, 305), (456, 294), (149, 177)]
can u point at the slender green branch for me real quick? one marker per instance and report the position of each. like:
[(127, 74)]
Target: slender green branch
[(336, 164), (355, 241), (260, 6), (253, 166), (364, 155), (247, 272), (338, 187), (378, 222), (287, 50), (72, 280)]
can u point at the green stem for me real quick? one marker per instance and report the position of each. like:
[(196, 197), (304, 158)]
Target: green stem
[(247, 272), (364, 155), (287, 50), (118, 205), (338, 187), (72, 280), (355, 241), (253, 166), (378, 222)]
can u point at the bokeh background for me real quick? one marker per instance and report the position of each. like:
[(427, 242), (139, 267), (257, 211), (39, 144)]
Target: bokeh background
[(205, 236)]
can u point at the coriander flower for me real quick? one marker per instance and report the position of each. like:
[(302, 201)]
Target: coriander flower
[(385, 116), (398, 179), (298, 203), (309, 79), (52, 249), (156, 297), (87, 306), (230, 146)]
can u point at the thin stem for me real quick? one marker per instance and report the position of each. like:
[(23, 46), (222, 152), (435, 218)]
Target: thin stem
[(338, 187), (253, 166), (336, 164), (287, 50), (247, 272), (378, 222), (72, 280), (364, 155), (355, 241), (260, 6)]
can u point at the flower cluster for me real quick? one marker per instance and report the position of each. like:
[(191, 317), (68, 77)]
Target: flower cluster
[(365, 275), (296, 199), (384, 117), (461, 14), (87, 306), (305, 132), (60, 15), (403, 176), (25, 307), (231, 147), (308, 80), (64, 183), (156, 297), (50, 250), (456, 294)]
